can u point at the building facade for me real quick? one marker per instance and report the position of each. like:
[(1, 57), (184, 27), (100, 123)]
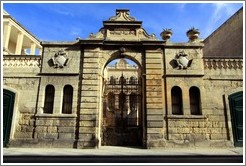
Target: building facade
[(175, 95)]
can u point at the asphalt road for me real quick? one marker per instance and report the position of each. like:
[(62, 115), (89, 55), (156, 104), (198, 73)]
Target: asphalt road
[(125, 159)]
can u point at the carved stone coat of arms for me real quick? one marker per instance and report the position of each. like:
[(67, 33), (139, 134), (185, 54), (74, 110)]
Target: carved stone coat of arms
[(182, 61), (60, 59)]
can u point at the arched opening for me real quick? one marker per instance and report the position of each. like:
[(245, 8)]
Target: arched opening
[(67, 99), (177, 103), (122, 113), (195, 101), (8, 106), (49, 99)]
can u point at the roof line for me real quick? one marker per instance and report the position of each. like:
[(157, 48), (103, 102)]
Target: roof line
[(9, 16), (236, 13)]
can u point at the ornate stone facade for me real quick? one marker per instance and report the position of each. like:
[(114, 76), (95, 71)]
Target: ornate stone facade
[(61, 102)]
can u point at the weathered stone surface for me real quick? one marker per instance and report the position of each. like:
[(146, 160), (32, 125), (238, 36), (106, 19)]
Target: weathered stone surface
[(216, 78), (87, 130), (155, 124), (23, 135), (152, 117), (66, 129), (88, 123), (88, 117), (66, 136)]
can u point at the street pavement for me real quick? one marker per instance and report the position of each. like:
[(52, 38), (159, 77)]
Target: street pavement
[(114, 154)]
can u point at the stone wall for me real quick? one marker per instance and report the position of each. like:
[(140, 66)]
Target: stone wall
[(20, 77), (58, 129), (88, 127), (26, 94), (154, 100)]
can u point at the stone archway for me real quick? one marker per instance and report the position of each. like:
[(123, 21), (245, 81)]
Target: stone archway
[(121, 121)]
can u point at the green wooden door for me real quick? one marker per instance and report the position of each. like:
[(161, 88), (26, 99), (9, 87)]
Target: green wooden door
[(8, 105), (236, 107)]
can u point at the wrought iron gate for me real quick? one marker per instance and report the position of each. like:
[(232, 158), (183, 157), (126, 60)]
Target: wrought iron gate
[(122, 125)]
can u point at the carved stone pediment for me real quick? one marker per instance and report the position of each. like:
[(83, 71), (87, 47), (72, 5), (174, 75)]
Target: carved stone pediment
[(122, 27)]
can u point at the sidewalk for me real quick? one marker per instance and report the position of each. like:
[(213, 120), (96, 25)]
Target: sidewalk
[(121, 151)]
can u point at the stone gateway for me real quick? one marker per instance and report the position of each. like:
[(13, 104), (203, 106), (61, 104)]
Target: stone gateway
[(157, 94)]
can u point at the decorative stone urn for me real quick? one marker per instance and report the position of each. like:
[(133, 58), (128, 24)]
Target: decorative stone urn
[(193, 34), (166, 34)]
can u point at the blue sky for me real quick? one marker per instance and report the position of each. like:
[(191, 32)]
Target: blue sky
[(66, 21)]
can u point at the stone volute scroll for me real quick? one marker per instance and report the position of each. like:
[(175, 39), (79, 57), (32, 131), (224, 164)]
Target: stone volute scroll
[(60, 59), (181, 61), (122, 15)]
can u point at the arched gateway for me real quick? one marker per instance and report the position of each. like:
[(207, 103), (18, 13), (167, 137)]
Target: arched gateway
[(122, 105), (158, 94)]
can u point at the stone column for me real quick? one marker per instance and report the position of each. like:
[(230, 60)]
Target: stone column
[(33, 48), (6, 35), (19, 43)]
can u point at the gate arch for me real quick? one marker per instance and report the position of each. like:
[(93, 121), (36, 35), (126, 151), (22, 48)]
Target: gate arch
[(127, 132)]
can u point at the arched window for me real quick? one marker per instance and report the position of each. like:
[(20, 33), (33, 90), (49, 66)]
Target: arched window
[(67, 99), (112, 80), (111, 101), (49, 99), (133, 80), (195, 101), (177, 103)]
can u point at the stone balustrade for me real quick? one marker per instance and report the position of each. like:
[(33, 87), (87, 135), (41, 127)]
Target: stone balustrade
[(222, 63), (21, 61)]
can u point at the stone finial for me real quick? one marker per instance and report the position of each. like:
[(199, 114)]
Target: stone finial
[(122, 15), (193, 34), (166, 34)]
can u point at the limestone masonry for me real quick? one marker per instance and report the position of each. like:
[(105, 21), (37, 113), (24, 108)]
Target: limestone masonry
[(156, 94)]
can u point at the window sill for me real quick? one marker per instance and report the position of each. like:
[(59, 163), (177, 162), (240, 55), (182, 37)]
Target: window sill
[(186, 117), (57, 115)]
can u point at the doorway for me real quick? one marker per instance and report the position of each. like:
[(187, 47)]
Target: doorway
[(122, 104), (236, 108), (8, 105)]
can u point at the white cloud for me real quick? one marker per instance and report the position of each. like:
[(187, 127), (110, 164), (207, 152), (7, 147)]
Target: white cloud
[(75, 31), (221, 11), (181, 7)]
